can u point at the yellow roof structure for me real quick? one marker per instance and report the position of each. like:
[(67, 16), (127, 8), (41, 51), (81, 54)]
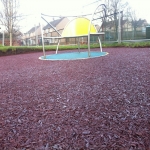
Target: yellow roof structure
[(77, 27)]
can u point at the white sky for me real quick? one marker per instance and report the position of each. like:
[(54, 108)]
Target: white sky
[(50, 7), (142, 8), (33, 8)]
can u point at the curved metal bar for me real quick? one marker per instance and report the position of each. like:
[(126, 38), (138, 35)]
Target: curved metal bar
[(50, 25), (78, 44), (43, 37), (60, 16), (65, 16), (100, 45), (89, 30)]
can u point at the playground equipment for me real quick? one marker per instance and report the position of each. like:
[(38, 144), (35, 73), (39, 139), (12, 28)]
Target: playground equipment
[(76, 28)]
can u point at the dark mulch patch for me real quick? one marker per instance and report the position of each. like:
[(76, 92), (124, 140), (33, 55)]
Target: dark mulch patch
[(96, 104)]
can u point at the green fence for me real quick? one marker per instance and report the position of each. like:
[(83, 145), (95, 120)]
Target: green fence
[(130, 29), (130, 34)]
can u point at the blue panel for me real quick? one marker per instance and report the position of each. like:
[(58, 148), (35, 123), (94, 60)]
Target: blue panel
[(73, 55)]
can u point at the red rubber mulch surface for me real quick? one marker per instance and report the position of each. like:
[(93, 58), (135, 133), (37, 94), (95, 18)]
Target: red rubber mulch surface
[(96, 104)]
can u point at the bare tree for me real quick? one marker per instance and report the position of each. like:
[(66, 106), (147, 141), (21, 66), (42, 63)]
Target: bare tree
[(135, 21), (114, 7), (9, 17)]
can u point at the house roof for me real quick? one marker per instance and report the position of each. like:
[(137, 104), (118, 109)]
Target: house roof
[(53, 23), (33, 29), (110, 24)]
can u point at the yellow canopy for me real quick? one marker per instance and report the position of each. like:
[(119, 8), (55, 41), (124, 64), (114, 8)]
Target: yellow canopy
[(77, 27)]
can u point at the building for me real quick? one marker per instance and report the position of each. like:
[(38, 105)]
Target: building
[(33, 36), (59, 25)]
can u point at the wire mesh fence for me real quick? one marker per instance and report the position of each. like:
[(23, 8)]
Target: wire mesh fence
[(130, 29)]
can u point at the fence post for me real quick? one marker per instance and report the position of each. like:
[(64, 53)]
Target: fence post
[(3, 38)]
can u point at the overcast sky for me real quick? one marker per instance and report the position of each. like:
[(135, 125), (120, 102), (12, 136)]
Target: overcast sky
[(51, 7), (142, 8), (33, 8)]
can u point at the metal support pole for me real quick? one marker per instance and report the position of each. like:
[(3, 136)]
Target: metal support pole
[(89, 30), (100, 45), (119, 27), (42, 41), (57, 46), (89, 38), (78, 45)]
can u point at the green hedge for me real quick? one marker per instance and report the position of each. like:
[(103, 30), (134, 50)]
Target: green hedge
[(8, 50), (129, 44)]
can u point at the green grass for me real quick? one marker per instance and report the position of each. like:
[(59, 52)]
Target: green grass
[(128, 44), (25, 49)]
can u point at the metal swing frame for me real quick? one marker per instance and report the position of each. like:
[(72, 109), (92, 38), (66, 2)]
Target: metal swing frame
[(86, 35)]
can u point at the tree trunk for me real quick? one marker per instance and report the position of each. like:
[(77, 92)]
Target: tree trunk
[(10, 39), (10, 15)]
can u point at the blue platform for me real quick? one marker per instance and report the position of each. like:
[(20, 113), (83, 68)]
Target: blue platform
[(73, 55)]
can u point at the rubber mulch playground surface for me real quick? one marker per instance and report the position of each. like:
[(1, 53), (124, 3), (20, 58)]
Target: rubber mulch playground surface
[(93, 104)]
